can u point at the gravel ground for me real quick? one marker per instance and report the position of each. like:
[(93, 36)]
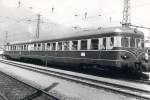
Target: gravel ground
[(15, 90)]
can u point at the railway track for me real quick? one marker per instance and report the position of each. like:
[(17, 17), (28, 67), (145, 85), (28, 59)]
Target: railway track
[(92, 82)]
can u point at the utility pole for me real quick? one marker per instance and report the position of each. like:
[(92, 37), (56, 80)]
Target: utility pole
[(85, 15), (38, 26), (126, 21), (5, 41), (52, 10), (19, 4), (6, 37)]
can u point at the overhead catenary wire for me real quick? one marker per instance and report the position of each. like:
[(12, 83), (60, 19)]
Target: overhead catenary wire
[(102, 14), (77, 15)]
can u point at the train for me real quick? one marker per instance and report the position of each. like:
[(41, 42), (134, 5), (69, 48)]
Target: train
[(111, 48)]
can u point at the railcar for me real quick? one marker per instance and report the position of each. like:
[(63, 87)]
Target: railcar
[(115, 48)]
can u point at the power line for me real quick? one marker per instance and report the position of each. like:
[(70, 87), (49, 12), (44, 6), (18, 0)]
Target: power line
[(28, 20), (5, 41)]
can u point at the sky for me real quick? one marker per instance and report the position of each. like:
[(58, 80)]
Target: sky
[(64, 10), (70, 13)]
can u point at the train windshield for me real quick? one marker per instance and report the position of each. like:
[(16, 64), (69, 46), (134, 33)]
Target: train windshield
[(125, 42), (138, 43), (131, 42)]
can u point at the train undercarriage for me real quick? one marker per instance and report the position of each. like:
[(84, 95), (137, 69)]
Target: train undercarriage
[(135, 69)]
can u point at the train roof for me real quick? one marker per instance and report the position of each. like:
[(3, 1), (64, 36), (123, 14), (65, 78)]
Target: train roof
[(111, 31)]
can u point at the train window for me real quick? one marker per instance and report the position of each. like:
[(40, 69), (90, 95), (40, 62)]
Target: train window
[(30, 47), (24, 47), (48, 46), (8, 48), (11, 47), (104, 43), (100, 43), (138, 43), (132, 42), (148, 50), (34, 46), (111, 41), (83, 44), (66, 45), (14, 47), (39, 46), (94, 44), (18, 47), (74, 45), (117, 41), (125, 42), (142, 45), (43, 46), (21, 47), (27, 47), (59, 46), (53, 46)]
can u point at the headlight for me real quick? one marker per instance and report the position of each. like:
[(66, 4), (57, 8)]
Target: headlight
[(146, 56), (124, 57)]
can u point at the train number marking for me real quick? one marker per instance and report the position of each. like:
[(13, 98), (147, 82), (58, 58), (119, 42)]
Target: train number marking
[(82, 54)]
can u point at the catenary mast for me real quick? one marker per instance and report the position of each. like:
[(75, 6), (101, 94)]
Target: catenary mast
[(126, 21), (38, 26)]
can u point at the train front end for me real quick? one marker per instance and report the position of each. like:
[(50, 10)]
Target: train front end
[(133, 56), (134, 60)]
